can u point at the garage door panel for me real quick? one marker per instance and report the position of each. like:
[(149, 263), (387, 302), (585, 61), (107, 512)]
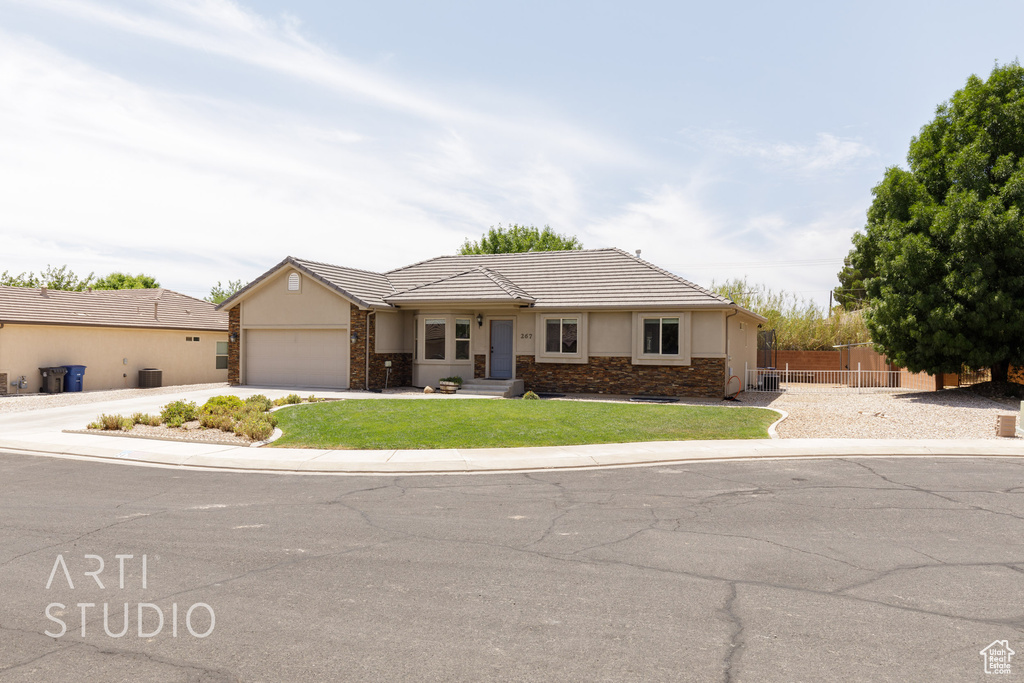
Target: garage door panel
[(308, 358)]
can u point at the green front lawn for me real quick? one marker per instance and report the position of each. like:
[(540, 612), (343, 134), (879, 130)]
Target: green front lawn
[(412, 424)]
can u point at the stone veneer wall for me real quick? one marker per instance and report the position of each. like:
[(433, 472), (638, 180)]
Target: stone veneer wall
[(3, 384), (479, 366), (704, 377), (234, 328), (401, 363)]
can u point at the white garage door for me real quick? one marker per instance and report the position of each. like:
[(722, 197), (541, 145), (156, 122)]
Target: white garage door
[(299, 358)]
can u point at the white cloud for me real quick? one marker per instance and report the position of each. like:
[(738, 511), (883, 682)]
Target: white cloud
[(827, 153)]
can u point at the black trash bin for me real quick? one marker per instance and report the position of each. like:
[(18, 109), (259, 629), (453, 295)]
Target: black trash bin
[(75, 379), (53, 379)]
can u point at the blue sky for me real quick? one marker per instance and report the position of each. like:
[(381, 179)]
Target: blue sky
[(204, 140)]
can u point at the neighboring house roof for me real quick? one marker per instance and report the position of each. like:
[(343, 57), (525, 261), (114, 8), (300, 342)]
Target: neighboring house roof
[(142, 308), (583, 279)]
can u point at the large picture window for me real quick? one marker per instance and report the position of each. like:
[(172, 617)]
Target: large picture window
[(661, 336), (462, 329), (561, 335), (433, 339)]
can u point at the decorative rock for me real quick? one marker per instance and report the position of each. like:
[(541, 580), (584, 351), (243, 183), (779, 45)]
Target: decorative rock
[(428, 389)]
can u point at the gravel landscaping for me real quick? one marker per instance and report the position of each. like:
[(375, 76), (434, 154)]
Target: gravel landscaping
[(947, 414), (25, 402)]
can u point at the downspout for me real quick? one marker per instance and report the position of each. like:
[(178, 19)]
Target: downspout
[(366, 344)]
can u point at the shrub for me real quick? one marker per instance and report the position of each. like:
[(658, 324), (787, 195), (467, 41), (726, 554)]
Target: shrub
[(140, 418), (259, 401), (113, 423), (177, 413), (314, 399), (154, 420), (256, 427), (290, 399), (222, 405), (530, 396), (454, 378)]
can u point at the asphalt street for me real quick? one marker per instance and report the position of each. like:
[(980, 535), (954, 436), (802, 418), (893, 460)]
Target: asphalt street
[(853, 569)]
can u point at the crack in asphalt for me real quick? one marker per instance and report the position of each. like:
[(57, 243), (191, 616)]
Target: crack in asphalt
[(735, 646)]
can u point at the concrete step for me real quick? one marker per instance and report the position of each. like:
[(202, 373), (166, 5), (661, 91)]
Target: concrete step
[(505, 388)]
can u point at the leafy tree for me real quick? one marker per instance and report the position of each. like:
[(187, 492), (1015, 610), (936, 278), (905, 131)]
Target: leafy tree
[(518, 238), (798, 323), (220, 293), (943, 247), (125, 281), (52, 278)]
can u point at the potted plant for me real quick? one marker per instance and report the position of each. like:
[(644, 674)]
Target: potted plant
[(449, 385)]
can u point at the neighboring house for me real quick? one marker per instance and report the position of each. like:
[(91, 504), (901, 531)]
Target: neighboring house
[(593, 321), (114, 333)]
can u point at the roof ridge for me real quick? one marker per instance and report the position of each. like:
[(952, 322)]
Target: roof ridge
[(507, 284), (674, 276)]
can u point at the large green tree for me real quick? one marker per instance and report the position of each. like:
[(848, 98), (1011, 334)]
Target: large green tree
[(126, 281), (64, 278), (943, 249), (517, 238)]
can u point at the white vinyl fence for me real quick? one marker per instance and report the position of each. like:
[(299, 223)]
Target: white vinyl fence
[(833, 381)]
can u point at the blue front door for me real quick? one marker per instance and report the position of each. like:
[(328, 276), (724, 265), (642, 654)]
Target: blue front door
[(501, 349)]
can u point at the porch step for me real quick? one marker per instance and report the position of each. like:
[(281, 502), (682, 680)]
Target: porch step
[(505, 388)]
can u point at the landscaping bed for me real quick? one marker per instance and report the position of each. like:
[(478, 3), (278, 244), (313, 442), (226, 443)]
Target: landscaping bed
[(404, 424), (222, 419)]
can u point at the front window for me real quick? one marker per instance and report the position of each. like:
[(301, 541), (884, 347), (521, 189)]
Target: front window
[(433, 339), (661, 336), (462, 328), (560, 335), (222, 355)]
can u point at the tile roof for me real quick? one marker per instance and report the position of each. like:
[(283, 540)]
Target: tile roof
[(479, 284), (590, 278), (583, 279), (144, 308)]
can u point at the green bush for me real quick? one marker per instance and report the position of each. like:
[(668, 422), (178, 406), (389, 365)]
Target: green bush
[(154, 421), (290, 399), (113, 423), (259, 401), (222, 405), (140, 418), (255, 427), (530, 396), (454, 378), (177, 413)]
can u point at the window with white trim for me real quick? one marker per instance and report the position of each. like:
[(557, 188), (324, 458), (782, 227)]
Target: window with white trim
[(462, 331), (661, 336), (222, 355), (433, 338), (561, 335)]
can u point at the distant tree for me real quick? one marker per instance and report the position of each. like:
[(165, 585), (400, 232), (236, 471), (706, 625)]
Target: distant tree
[(518, 238), (52, 278), (943, 249), (125, 281), (799, 323), (220, 293)]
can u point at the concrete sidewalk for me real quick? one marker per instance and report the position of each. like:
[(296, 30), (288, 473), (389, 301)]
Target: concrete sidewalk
[(40, 432)]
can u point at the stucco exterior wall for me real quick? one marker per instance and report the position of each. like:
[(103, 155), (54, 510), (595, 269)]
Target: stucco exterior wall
[(313, 306), (393, 332), (610, 333), (112, 356), (707, 333)]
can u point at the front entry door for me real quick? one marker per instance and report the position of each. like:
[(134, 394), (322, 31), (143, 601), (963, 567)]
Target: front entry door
[(501, 349)]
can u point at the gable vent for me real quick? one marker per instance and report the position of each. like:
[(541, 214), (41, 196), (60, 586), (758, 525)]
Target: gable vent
[(293, 282)]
